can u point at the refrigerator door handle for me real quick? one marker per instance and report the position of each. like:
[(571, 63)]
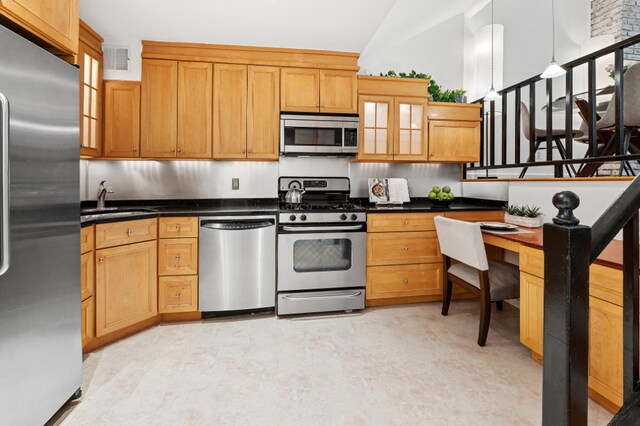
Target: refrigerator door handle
[(5, 246)]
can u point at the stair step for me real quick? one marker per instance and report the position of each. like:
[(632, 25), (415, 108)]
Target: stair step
[(629, 414)]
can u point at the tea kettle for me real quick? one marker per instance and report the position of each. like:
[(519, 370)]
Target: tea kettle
[(294, 196)]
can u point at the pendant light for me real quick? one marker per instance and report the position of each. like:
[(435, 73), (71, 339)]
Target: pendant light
[(553, 70), (493, 94)]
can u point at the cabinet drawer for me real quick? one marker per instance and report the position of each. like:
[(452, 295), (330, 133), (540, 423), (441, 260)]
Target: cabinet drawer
[(119, 233), (178, 256), (398, 248), (404, 281), (606, 283), (532, 261), (531, 311), (481, 216), (87, 238), (88, 321), (178, 294), (444, 111), (87, 275), (397, 222), (178, 227)]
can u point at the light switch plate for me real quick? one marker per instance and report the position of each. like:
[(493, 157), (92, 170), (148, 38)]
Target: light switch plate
[(235, 184)]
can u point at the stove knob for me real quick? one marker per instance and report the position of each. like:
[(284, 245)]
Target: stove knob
[(354, 216), (343, 216), (303, 217), (292, 217)]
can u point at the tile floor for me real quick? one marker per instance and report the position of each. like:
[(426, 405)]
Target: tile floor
[(403, 365)]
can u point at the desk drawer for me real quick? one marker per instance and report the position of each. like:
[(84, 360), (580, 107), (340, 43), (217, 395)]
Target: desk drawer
[(404, 281), (399, 248), (606, 284), (400, 222), (477, 216), (532, 261), (129, 232), (178, 256), (178, 227)]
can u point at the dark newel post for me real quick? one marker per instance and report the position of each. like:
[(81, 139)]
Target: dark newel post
[(567, 247), (630, 325)]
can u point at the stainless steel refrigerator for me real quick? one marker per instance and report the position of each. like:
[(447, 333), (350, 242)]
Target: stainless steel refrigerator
[(40, 341)]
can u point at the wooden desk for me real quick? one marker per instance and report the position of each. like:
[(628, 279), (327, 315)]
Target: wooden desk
[(605, 310)]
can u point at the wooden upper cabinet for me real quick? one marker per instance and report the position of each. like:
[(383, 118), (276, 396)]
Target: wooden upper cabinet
[(376, 128), (90, 62), (263, 113), (454, 141), (410, 139), (338, 92), (230, 111), (195, 93), (300, 90), (121, 119), (158, 116), (55, 22), (454, 132)]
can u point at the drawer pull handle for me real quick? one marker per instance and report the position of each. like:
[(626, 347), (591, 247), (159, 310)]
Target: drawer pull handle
[(101, 260), (406, 247), (406, 221), (178, 227), (406, 280), (177, 259), (177, 295), (129, 232)]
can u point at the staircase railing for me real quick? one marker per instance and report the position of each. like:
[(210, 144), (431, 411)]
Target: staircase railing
[(506, 153), (569, 250)]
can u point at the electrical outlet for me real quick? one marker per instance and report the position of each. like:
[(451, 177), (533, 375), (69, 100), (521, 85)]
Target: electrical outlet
[(235, 184)]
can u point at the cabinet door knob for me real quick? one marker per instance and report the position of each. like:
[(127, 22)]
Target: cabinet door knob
[(101, 260), (173, 150), (243, 151), (406, 247), (178, 258), (248, 151), (322, 106), (129, 233), (406, 280), (179, 149), (177, 227), (317, 105), (406, 221), (135, 149), (177, 295)]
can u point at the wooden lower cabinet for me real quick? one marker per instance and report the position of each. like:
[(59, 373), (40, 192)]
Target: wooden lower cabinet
[(178, 294), (88, 321), (126, 286), (605, 349), (404, 280), (531, 311)]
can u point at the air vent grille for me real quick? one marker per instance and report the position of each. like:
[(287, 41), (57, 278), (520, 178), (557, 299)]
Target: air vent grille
[(116, 58)]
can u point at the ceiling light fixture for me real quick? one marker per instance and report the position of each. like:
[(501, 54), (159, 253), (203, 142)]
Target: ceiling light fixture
[(493, 94), (553, 70)]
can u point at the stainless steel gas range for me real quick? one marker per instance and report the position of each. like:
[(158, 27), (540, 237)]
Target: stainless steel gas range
[(322, 246)]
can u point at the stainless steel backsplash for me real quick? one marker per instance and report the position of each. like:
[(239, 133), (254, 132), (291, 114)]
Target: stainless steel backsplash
[(212, 179)]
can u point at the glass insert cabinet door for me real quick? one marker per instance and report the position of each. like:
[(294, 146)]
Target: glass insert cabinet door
[(410, 139), (322, 255), (376, 124)]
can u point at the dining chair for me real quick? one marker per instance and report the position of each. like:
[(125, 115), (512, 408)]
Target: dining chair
[(540, 137), (630, 108), (493, 280)]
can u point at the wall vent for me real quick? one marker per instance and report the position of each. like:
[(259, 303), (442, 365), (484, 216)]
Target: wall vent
[(116, 58)]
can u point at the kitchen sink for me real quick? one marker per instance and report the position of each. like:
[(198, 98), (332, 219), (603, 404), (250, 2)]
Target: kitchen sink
[(110, 213)]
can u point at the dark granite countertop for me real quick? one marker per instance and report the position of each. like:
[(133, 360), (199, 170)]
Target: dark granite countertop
[(162, 208), (418, 205), (144, 209)]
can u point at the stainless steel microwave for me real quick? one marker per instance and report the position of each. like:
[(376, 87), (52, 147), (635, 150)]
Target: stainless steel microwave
[(318, 135)]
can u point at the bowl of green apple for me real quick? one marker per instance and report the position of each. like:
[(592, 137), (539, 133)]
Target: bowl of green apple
[(441, 197)]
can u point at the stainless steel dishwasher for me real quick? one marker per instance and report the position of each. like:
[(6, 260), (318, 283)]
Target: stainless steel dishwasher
[(237, 263)]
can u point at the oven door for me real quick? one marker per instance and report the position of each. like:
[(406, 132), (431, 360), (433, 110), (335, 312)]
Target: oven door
[(315, 257), (311, 137)]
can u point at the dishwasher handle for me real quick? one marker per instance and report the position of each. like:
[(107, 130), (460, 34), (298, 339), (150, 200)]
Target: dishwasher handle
[(238, 225)]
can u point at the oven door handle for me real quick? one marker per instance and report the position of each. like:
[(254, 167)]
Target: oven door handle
[(337, 296), (322, 228)]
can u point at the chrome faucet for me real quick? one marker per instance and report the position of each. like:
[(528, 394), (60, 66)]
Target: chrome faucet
[(102, 194)]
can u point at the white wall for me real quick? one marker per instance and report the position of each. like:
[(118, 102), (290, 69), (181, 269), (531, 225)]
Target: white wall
[(437, 51)]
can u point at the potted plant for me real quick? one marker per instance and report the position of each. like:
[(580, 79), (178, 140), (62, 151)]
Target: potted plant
[(527, 216), (436, 93)]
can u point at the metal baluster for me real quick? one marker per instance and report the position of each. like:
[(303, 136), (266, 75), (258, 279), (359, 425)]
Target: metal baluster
[(568, 122), (492, 133), (482, 130), (504, 128), (621, 147), (593, 139), (518, 126), (532, 121)]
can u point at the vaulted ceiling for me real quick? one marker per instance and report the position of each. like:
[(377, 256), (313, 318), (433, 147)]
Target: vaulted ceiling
[(347, 25)]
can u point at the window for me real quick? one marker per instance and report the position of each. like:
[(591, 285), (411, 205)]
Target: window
[(482, 39)]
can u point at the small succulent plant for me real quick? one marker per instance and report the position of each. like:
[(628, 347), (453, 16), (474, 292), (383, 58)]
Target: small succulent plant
[(526, 211)]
